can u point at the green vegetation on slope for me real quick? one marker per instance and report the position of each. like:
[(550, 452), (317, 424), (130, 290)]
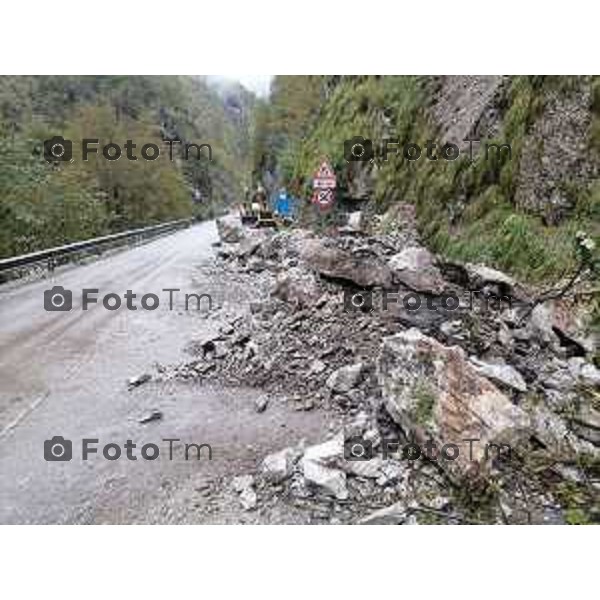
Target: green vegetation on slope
[(465, 209), (45, 204)]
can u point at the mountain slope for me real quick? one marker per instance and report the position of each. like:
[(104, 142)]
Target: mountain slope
[(47, 204)]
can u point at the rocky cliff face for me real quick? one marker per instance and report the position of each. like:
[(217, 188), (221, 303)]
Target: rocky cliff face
[(557, 159), (467, 106), (555, 154)]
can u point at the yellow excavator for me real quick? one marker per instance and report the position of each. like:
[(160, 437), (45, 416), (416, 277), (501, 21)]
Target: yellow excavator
[(255, 211)]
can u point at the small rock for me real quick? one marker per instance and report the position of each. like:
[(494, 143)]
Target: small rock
[(328, 452), (354, 222), (391, 473), (396, 514), (317, 467), (309, 404), (357, 426), (279, 466), (344, 379), (139, 380), (155, 415), (415, 268), (230, 229), (248, 498), (242, 482), (451, 328), (261, 403), (586, 424), (500, 373), (480, 275), (332, 481), (317, 367), (368, 469), (590, 374), (221, 349), (373, 437)]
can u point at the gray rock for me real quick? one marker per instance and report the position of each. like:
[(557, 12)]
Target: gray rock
[(565, 376), (359, 269), (590, 375), (327, 453), (330, 480), (261, 403), (500, 373), (368, 469), (435, 392), (357, 426), (540, 325), (415, 268), (296, 286), (553, 324), (155, 415), (586, 424), (230, 229), (373, 437), (134, 382), (242, 482), (317, 367), (553, 431), (574, 365), (221, 349), (392, 472), (345, 378), (251, 242), (355, 220), (480, 275), (248, 499), (319, 467), (279, 466), (396, 514)]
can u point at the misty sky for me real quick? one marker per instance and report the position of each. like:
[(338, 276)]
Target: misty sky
[(259, 84)]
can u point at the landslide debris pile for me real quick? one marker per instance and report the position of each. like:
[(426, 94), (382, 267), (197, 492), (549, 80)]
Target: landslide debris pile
[(489, 370)]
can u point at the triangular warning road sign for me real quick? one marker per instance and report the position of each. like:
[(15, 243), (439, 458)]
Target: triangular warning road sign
[(325, 171), (325, 177)]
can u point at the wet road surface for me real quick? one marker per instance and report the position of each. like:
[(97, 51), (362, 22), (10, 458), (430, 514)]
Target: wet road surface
[(64, 374)]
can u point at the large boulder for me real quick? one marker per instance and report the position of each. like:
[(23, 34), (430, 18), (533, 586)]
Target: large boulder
[(555, 323), (424, 311), (230, 229), (434, 392), (296, 286), (286, 244), (251, 242), (482, 276), (415, 268), (362, 270)]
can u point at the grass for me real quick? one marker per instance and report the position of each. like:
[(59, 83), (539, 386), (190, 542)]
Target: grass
[(464, 210), (424, 402)]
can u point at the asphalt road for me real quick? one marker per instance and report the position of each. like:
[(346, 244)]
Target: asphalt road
[(64, 373)]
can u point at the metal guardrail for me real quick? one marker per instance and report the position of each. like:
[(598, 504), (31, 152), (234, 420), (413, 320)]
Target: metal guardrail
[(52, 254)]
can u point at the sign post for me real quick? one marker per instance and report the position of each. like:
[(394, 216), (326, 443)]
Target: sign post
[(324, 184)]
